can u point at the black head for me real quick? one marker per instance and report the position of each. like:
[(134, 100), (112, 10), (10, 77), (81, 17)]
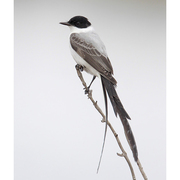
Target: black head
[(78, 21)]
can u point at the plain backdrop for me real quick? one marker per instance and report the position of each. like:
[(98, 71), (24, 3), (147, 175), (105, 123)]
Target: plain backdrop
[(58, 132)]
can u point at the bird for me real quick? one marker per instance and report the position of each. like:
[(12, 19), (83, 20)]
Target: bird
[(90, 54)]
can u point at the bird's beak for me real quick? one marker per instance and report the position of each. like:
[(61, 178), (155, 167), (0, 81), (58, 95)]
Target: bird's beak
[(65, 23)]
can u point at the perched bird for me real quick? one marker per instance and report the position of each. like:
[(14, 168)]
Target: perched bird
[(90, 55)]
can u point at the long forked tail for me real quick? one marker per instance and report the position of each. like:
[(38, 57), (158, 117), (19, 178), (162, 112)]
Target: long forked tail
[(119, 109)]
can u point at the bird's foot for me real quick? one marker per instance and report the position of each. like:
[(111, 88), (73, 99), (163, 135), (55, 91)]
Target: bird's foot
[(86, 90), (79, 67)]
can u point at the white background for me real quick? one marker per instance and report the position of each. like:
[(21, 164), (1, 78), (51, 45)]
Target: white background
[(58, 133)]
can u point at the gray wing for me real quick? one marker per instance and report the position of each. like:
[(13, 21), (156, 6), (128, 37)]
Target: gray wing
[(92, 50)]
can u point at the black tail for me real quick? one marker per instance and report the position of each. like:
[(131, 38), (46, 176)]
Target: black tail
[(119, 109)]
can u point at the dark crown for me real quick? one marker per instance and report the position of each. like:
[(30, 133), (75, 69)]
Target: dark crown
[(79, 21)]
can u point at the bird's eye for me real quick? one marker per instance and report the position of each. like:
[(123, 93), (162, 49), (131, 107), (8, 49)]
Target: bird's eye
[(78, 23)]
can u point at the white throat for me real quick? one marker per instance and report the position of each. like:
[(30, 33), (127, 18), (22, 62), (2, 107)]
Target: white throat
[(74, 29)]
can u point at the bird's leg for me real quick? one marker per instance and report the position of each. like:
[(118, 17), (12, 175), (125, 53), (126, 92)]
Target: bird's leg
[(79, 67), (87, 90)]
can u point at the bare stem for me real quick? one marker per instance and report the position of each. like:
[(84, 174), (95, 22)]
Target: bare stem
[(123, 154), (141, 170)]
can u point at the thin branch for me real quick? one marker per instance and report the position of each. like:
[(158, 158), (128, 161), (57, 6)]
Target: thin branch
[(141, 170), (123, 154)]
